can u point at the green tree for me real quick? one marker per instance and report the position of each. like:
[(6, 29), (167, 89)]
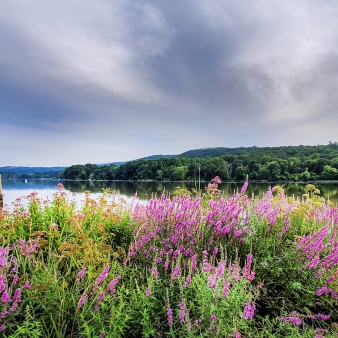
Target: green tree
[(179, 173)]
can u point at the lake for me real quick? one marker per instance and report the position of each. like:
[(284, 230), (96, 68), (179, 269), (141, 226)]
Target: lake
[(13, 189)]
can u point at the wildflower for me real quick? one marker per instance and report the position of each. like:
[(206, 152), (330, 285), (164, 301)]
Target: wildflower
[(26, 285), (148, 292), (166, 265), (102, 276), (324, 317), (245, 186), (237, 335), (154, 272), (284, 230), (323, 290), (295, 320), (226, 288), (99, 300), (17, 296), (216, 180), (112, 285), (15, 279), (81, 274), (2, 328), (60, 186), (102, 335), (249, 310), (318, 330), (176, 272), (187, 282), (313, 263), (170, 316), (182, 311), (82, 300), (5, 297)]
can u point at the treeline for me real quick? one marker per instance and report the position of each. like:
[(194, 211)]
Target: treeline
[(302, 163), (29, 173)]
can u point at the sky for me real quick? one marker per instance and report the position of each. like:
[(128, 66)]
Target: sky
[(100, 81)]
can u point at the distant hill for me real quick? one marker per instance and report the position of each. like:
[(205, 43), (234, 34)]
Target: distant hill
[(31, 172), (326, 151), (28, 170), (155, 157)]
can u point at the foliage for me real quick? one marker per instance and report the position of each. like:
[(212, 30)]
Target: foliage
[(195, 265), (302, 163)]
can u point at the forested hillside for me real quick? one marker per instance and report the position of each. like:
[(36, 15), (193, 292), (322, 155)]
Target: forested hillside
[(294, 163), (31, 172)]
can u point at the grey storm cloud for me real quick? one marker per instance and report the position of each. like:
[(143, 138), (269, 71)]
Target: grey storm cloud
[(101, 81)]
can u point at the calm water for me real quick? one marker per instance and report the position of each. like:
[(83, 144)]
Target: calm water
[(13, 189)]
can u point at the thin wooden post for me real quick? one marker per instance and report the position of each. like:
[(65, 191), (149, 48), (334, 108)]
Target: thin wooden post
[(1, 196)]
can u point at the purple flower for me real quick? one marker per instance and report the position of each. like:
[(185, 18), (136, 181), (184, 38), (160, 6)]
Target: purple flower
[(102, 276), (81, 274), (324, 317), (154, 272), (82, 300), (187, 282), (15, 279), (295, 320), (213, 317), (112, 285), (249, 310), (99, 300), (26, 285), (182, 311), (2, 328), (237, 335), (226, 288), (323, 290), (176, 272), (245, 186), (17, 296), (5, 297), (170, 316), (148, 292)]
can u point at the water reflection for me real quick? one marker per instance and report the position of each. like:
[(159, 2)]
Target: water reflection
[(147, 190)]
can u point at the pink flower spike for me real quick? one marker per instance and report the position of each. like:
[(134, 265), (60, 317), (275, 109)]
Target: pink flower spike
[(5, 297), (148, 292), (82, 301), (102, 276), (245, 186), (26, 285), (81, 274)]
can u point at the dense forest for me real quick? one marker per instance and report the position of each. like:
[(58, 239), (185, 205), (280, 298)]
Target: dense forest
[(293, 163)]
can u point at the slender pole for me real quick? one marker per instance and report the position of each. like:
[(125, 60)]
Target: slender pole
[(1, 196)]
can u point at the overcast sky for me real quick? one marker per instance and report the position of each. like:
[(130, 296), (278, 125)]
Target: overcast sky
[(98, 81)]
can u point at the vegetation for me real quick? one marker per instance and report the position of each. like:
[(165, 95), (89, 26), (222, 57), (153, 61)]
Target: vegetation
[(302, 163), (196, 265), (32, 172)]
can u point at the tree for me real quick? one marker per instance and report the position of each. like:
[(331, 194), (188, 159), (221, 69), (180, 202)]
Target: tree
[(329, 173), (179, 173)]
